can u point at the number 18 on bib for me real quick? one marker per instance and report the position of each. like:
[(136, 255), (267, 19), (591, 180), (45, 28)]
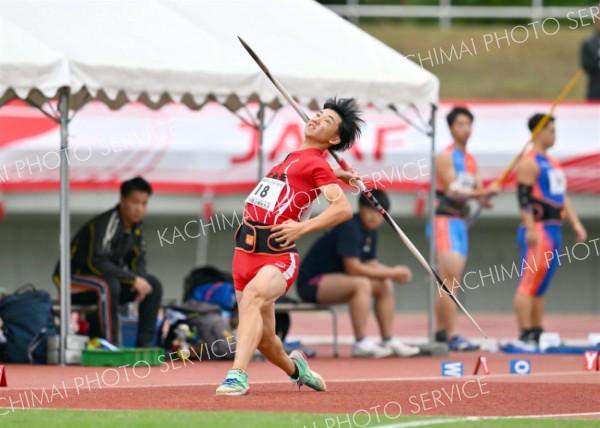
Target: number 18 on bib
[(266, 193)]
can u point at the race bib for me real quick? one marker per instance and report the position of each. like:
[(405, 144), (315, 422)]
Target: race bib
[(465, 181), (558, 182), (266, 193)]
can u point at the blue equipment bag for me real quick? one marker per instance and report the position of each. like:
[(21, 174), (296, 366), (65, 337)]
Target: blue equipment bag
[(217, 293), (28, 321)]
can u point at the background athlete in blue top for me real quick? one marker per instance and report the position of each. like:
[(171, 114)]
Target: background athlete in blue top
[(341, 267), (543, 201)]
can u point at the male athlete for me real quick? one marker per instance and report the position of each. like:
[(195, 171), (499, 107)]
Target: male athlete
[(543, 202), (457, 182), (266, 262), (108, 265), (342, 267)]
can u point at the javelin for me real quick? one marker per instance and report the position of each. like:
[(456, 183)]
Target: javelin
[(362, 187), (500, 180)]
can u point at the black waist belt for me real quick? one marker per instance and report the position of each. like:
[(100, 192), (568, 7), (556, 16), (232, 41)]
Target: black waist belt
[(446, 206), (544, 212), (254, 237)]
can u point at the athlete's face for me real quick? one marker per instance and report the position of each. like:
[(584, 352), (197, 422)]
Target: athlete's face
[(369, 217), (133, 207), (323, 127), (461, 128), (547, 135)]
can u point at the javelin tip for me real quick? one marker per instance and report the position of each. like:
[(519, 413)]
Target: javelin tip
[(254, 56)]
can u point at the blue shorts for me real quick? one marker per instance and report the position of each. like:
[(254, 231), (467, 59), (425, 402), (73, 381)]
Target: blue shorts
[(539, 263), (451, 235)]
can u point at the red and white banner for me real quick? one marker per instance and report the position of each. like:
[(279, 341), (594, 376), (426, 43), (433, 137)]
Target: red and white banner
[(179, 150)]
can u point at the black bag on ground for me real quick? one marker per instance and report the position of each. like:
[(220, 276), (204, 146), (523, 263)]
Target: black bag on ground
[(214, 336), (28, 321)]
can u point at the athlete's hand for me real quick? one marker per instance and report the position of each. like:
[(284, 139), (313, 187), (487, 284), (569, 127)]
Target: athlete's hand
[(142, 288), (531, 237), (401, 274), (346, 176), (287, 232), (486, 202), (493, 189), (580, 232)]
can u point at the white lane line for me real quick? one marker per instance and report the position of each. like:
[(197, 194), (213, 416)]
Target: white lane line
[(557, 415), (422, 423), (481, 418)]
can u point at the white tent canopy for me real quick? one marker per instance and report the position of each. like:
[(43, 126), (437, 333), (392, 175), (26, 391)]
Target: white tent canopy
[(316, 53), (27, 64), (187, 51)]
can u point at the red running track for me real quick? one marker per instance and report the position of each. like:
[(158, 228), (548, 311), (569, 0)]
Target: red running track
[(558, 384)]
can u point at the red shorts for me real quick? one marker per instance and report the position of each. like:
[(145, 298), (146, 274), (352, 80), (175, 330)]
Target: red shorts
[(246, 266)]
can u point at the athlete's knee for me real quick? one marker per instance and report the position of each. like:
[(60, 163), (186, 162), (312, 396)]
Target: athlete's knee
[(157, 289), (386, 287), (252, 298), (361, 286), (361, 282)]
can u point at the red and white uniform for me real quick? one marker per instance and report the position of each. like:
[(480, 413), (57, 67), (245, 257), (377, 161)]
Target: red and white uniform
[(285, 193), (288, 190)]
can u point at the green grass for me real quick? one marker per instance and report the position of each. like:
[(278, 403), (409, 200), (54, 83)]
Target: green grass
[(182, 419), (538, 68)]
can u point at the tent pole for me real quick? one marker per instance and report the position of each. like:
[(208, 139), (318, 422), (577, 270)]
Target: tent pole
[(203, 239), (261, 130), (65, 226), (432, 284)]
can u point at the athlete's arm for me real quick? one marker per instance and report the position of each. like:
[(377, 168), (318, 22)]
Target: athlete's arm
[(578, 229), (338, 211), (527, 172), (444, 169), (491, 190), (346, 176), (376, 270)]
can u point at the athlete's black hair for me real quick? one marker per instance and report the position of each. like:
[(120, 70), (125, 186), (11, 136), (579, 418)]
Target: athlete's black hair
[(350, 124), (136, 183), (457, 111), (535, 119)]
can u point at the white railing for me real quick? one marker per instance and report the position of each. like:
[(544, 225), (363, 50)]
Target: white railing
[(445, 11)]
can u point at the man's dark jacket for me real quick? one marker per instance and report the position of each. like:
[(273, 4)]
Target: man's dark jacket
[(103, 246)]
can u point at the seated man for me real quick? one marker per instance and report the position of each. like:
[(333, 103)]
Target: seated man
[(341, 267), (108, 265)]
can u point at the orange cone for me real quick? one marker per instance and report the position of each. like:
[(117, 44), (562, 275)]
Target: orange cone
[(481, 363), (2, 377)]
